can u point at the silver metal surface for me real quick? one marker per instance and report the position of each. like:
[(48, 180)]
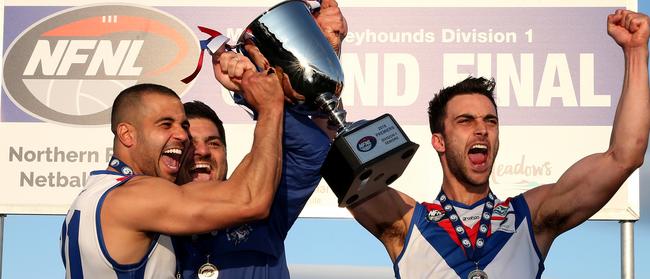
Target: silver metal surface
[(627, 249), (288, 36), (329, 104), (2, 233)]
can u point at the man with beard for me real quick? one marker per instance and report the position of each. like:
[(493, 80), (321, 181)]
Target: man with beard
[(467, 232), (252, 250), (119, 225), (256, 250)]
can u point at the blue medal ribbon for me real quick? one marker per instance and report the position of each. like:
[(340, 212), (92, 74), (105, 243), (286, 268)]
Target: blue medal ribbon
[(472, 252), (120, 166)]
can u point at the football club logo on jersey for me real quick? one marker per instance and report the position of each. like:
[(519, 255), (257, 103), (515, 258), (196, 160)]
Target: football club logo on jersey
[(69, 67), (240, 234), (500, 210), (435, 215)]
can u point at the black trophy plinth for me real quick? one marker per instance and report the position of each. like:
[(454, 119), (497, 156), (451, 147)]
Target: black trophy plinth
[(366, 159)]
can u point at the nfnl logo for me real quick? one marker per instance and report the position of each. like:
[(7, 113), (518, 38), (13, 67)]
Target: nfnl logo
[(366, 143), (69, 67)]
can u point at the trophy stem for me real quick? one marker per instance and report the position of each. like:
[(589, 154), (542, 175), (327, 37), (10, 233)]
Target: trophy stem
[(329, 103)]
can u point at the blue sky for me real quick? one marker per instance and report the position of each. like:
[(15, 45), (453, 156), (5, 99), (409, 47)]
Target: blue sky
[(591, 250)]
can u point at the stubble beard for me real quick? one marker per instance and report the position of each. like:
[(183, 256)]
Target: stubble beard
[(455, 163)]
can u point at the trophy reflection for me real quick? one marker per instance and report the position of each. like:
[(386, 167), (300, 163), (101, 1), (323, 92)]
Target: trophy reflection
[(366, 156)]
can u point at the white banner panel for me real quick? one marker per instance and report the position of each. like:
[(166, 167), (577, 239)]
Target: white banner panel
[(558, 81)]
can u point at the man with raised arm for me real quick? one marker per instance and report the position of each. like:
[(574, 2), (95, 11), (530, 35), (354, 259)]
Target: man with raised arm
[(256, 249), (469, 233), (119, 225)]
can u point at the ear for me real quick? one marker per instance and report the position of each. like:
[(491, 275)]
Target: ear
[(438, 142), (125, 132)]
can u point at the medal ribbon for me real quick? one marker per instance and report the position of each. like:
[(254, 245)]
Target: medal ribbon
[(472, 252), (120, 166), (220, 39)]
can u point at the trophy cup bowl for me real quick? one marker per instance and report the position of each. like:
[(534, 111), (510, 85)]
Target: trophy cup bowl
[(366, 156), (287, 36)]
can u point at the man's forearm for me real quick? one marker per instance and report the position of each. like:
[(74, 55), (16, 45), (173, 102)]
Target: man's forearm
[(258, 174), (632, 121), (266, 155)]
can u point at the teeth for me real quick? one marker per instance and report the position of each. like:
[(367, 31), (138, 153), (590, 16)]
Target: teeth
[(173, 151), (480, 146), (201, 166)]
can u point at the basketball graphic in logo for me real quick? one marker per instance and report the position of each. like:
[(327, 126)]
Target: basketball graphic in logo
[(69, 67)]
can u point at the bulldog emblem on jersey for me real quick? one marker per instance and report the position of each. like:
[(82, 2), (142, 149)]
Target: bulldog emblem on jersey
[(239, 234), (500, 210)]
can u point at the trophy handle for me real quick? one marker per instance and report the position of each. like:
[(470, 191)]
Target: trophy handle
[(217, 42)]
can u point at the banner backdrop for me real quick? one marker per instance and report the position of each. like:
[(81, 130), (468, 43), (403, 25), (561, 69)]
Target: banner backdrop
[(558, 78)]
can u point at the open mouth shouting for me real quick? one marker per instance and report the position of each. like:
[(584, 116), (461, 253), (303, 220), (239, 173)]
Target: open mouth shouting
[(171, 158), (200, 171), (478, 155)]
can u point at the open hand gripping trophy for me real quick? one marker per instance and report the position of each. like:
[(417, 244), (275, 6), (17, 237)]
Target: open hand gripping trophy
[(366, 156)]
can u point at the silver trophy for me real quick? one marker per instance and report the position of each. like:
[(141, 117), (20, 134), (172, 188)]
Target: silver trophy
[(366, 156)]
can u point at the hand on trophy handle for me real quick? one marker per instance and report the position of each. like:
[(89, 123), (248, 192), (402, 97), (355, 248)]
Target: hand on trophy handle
[(291, 96), (229, 68), (332, 23), (258, 58), (262, 90)]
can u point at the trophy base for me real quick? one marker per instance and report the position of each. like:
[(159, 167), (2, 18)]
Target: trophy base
[(366, 159)]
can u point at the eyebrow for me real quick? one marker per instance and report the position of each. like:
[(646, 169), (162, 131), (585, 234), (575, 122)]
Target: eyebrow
[(211, 138), (467, 115), (184, 122), (491, 116), (165, 118), (215, 138)]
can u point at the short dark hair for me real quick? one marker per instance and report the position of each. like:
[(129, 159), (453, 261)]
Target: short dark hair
[(471, 85), (131, 98), (198, 109)]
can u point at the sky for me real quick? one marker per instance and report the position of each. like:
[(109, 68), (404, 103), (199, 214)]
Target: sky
[(591, 250)]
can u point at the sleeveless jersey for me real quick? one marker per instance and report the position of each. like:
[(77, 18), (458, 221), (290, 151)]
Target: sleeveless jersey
[(432, 248), (83, 249)]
